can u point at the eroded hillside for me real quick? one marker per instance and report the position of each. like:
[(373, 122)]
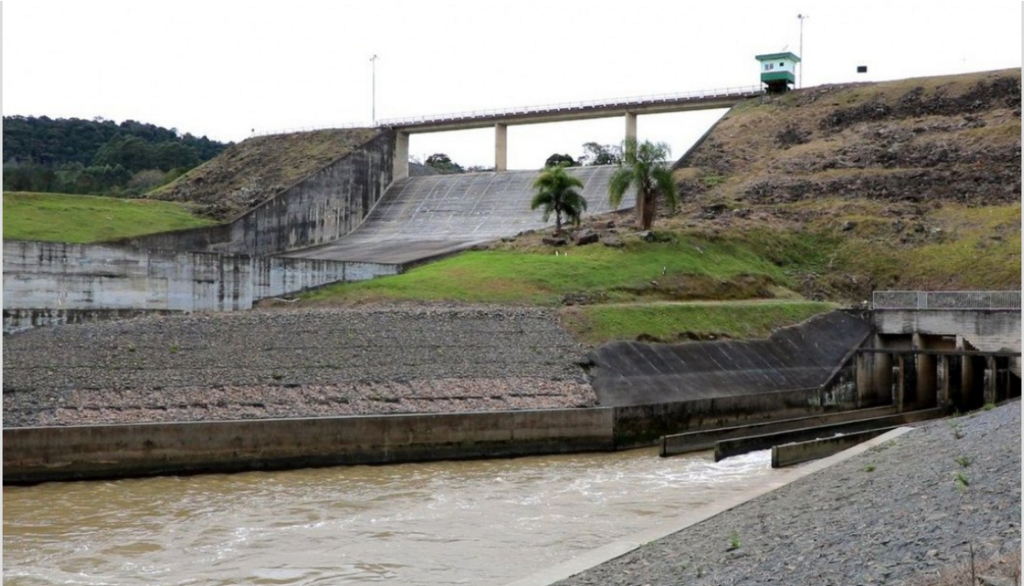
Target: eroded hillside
[(904, 184), (256, 169)]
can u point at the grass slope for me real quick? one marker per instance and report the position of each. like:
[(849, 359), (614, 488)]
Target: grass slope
[(254, 170), (687, 268), (673, 322), (85, 218)]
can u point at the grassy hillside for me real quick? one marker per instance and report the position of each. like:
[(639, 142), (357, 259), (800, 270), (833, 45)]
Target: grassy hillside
[(684, 268), (905, 184), (254, 170), (676, 322), (86, 218)]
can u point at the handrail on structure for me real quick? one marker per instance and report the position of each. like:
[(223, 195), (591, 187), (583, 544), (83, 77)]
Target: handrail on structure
[(736, 91), (946, 300)]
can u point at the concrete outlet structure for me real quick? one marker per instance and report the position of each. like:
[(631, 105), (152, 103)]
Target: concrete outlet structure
[(941, 349)]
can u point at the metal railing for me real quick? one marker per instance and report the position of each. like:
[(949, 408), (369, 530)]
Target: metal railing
[(738, 91), (959, 300), (344, 126)]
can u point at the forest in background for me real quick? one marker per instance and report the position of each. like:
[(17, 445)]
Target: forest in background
[(98, 156)]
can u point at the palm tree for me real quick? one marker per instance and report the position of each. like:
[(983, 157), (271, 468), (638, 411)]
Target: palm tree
[(556, 192), (644, 167)]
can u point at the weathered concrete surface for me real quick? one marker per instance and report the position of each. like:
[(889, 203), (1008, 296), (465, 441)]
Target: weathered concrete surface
[(987, 330), (693, 441), (800, 357), (278, 364), (799, 452), (743, 445), (55, 275), (321, 208), (644, 425), (17, 320), (116, 451), (423, 217), (48, 283)]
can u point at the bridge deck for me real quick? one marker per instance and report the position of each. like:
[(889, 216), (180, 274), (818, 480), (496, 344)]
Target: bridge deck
[(700, 100), (423, 217)]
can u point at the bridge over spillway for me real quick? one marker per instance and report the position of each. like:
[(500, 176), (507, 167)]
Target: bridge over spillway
[(423, 217), (501, 119)]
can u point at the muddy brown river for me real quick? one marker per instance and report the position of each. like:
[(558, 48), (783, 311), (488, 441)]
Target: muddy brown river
[(477, 522)]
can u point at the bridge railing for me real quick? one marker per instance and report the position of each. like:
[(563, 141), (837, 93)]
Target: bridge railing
[(736, 91), (958, 300), (344, 126), (635, 100)]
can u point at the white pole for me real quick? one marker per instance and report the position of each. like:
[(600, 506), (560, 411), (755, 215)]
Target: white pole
[(373, 90), (800, 80)]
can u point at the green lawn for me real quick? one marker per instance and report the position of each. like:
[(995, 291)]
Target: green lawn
[(684, 269), (86, 218), (673, 322)]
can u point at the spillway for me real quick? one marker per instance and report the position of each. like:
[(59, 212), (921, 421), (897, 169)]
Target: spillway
[(423, 217)]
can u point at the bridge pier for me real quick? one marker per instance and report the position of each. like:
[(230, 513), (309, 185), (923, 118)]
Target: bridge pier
[(500, 147), (630, 125), (874, 380), (925, 394), (400, 162)]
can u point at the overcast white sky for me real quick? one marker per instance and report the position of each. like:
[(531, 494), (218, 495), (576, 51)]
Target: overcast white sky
[(225, 68)]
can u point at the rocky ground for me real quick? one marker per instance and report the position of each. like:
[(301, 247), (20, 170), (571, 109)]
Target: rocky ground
[(902, 513), (265, 364)]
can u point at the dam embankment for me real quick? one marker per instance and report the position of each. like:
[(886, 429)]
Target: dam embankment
[(380, 385)]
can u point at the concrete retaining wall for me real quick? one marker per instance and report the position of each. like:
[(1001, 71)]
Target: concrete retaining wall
[(16, 320), (48, 283), (986, 330), (322, 207), (800, 357), (64, 453), (55, 275), (800, 452), (643, 425)]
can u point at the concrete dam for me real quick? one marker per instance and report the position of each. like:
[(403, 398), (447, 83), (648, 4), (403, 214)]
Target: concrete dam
[(418, 218)]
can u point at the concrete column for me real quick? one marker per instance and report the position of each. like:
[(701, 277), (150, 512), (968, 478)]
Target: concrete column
[(991, 378), (967, 390), (630, 125), (500, 147), (943, 397), (400, 163), (927, 385), (874, 380), (901, 382)]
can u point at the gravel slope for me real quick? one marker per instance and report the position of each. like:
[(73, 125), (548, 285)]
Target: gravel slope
[(292, 364), (904, 519)]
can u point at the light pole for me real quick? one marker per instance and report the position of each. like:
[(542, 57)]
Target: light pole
[(373, 90), (800, 80)]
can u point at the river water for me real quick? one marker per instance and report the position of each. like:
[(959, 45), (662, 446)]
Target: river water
[(476, 522)]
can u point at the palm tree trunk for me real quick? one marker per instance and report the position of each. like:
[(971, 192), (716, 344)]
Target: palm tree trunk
[(647, 210), (558, 223)]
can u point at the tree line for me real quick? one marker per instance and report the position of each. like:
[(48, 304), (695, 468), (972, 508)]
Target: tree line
[(98, 156)]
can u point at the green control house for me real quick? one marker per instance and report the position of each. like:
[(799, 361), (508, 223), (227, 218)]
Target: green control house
[(778, 71)]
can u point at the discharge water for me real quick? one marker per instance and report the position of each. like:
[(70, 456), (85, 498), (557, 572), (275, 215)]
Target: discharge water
[(477, 522)]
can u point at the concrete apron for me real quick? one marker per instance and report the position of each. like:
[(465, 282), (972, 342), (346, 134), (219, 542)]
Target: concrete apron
[(624, 545)]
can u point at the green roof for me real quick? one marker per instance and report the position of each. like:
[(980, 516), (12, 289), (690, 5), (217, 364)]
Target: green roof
[(774, 56)]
